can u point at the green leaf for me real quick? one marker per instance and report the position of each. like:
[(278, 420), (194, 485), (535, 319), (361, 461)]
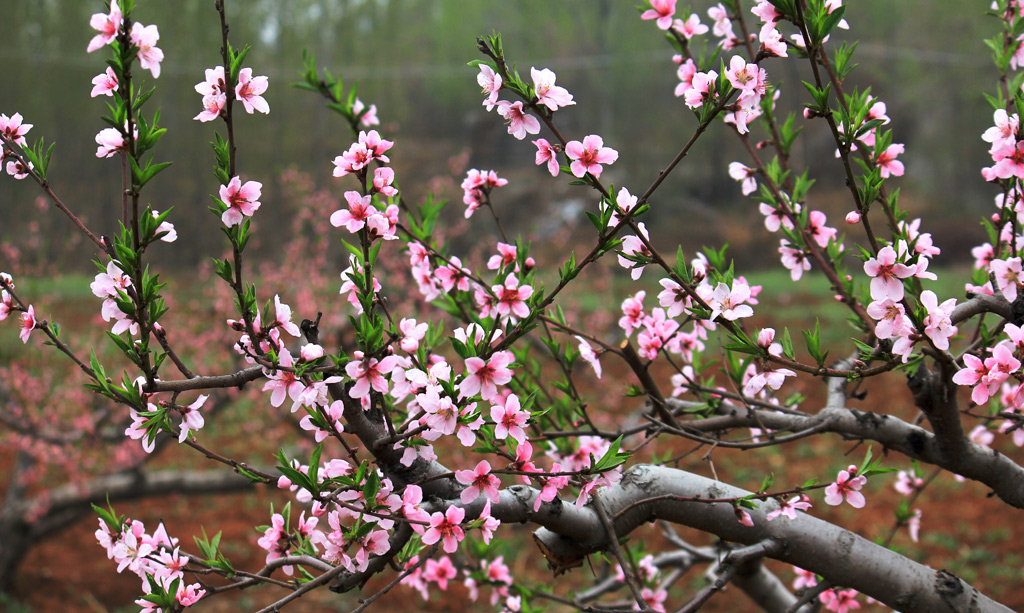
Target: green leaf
[(612, 458), (813, 341)]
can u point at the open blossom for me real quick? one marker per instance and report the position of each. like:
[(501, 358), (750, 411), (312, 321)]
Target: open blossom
[(722, 27), (520, 123), (790, 507), (986, 376), (1009, 162), (477, 186), (382, 181), (1008, 276), (368, 148), (686, 71), (188, 595), (729, 302), (213, 107), (846, 488), (549, 94), (745, 175), (369, 372), (137, 430), (150, 56), (191, 418), (817, 229), (890, 316), (484, 377), (505, 257), (771, 378), (938, 325), (412, 334), (18, 170), (480, 481), (509, 418), (766, 12), (546, 154), (550, 487), (214, 92), (214, 84), (702, 89), (241, 200), (1004, 132), (634, 247), (772, 42), (690, 28), (589, 155), (632, 312), (491, 82), (662, 11), (28, 323), (250, 91), (885, 275), (625, 203), (104, 84), (360, 209), (887, 162), (511, 298), (6, 305), (12, 128), (657, 331), (453, 275), (283, 383), (369, 117), (446, 527), (107, 24), (741, 75)]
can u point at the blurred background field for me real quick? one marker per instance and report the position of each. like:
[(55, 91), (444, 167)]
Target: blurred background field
[(926, 60)]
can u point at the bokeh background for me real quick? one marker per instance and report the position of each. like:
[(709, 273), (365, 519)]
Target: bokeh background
[(926, 60)]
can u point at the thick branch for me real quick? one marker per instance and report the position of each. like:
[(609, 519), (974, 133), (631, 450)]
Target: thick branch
[(570, 533), (976, 462)]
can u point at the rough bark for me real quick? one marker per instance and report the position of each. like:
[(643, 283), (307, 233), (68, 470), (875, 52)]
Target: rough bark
[(841, 557), (973, 461)]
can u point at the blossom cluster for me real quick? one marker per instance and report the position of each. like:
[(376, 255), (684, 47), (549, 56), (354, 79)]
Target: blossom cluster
[(155, 558), (14, 129), (588, 156), (143, 38), (493, 573), (658, 329)]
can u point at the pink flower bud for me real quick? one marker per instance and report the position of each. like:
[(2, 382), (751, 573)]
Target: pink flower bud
[(853, 217)]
